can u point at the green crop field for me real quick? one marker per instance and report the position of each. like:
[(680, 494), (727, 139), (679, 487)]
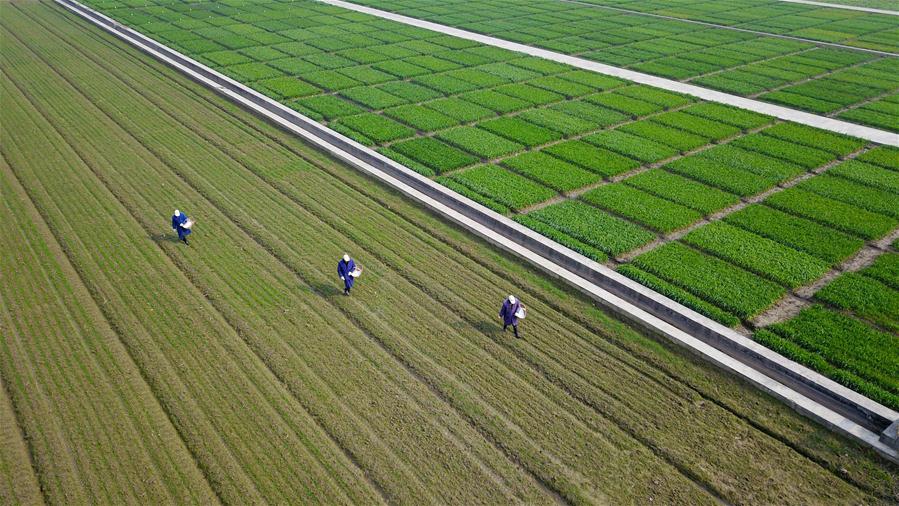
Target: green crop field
[(134, 369), (742, 55), (610, 169)]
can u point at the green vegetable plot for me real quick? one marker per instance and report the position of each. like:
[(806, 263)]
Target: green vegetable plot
[(796, 73)]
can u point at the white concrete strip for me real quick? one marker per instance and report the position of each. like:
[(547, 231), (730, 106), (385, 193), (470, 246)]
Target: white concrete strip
[(733, 28), (306, 128), (845, 7), (785, 113)]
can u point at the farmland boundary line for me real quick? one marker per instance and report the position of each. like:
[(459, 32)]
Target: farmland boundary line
[(725, 27), (785, 113), (832, 404)]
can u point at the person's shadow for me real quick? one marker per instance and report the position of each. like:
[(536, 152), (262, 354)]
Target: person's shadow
[(326, 290), (164, 237)]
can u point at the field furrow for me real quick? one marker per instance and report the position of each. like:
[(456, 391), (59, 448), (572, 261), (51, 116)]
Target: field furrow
[(18, 481)]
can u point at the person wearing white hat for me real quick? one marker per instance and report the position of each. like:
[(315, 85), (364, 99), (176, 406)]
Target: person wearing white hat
[(511, 311), (346, 269), (181, 225)]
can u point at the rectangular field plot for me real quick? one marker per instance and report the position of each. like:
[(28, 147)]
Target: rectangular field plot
[(592, 226), (648, 210), (817, 337), (729, 287), (503, 186), (552, 172), (836, 214), (681, 190), (813, 238), (864, 296), (758, 254)]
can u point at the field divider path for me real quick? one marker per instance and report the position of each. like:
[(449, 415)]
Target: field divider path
[(577, 270), (831, 5), (726, 27), (785, 113)]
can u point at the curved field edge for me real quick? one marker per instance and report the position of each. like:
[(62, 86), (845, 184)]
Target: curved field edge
[(359, 183)]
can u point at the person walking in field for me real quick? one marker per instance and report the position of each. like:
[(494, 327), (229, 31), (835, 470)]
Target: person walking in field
[(181, 225), (511, 312), (348, 272)]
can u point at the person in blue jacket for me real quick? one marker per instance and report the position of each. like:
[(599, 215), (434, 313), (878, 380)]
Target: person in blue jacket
[(507, 313), (345, 266), (179, 219)]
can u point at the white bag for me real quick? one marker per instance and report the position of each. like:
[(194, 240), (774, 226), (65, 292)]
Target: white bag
[(357, 271), (521, 313), (189, 223)]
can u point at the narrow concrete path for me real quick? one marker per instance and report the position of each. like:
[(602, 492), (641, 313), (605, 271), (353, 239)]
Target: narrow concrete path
[(732, 28), (846, 7), (784, 113)]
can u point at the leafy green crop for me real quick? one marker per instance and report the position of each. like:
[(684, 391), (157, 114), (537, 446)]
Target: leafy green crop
[(550, 171), (421, 118), (697, 125), (376, 127), (868, 174), (857, 194), (885, 269), (804, 156), (521, 131), (720, 175), (677, 139), (730, 115), (864, 296), (729, 287), (503, 186), (800, 134), (837, 214), (601, 161), (633, 146), (434, 154), (758, 254), (459, 109), (765, 166), (818, 240), (687, 192), (678, 294), (593, 226), (565, 124), (480, 142), (644, 208)]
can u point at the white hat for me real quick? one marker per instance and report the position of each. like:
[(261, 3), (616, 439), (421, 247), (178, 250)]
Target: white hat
[(177, 212), (346, 258), (512, 299)]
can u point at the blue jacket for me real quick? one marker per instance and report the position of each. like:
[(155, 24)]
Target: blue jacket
[(344, 269), (177, 221), (507, 312)]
